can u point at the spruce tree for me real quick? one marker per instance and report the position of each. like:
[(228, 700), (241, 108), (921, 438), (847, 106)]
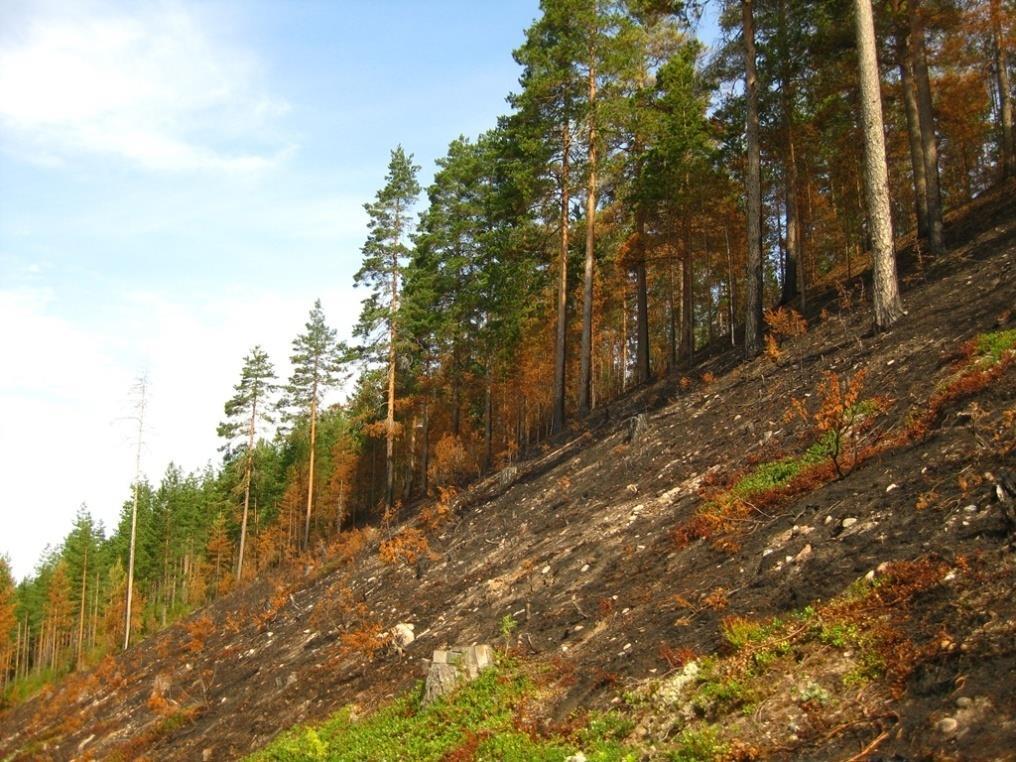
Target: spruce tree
[(384, 255), (318, 358), (243, 410)]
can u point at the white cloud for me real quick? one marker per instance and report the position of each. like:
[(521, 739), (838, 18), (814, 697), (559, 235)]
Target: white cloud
[(64, 395), (151, 88)]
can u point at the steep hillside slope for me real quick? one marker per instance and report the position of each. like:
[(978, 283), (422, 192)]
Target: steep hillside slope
[(644, 544)]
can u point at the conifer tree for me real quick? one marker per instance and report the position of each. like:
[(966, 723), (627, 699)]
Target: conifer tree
[(243, 410), (888, 307), (318, 358), (547, 111), (384, 255), (753, 187), (7, 622)]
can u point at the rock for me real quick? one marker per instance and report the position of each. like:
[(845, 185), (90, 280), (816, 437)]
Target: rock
[(578, 757), (804, 554), (402, 634), (947, 725), (848, 522), (671, 689), (206, 755), (964, 701), (449, 668), (633, 489), (891, 487)]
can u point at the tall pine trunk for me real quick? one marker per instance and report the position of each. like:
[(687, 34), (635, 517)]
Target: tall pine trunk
[(557, 417), (1005, 108), (586, 360), (753, 191), (641, 301), (888, 307), (310, 467), (248, 468), (926, 120)]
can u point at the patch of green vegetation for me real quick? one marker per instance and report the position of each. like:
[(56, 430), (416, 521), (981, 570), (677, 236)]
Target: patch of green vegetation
[(26, 687), (717, 697), (699, 745), (840, 635), (991, 346), (741, 633), (870, 666), (478, 717), (779, 473)]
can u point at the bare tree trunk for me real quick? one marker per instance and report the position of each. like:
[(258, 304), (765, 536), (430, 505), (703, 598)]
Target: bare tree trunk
[(910, 110), (643, 370), (731, 306), (888, 307), (248, 469), (929, 145), (488, 424), (557, 420), (624, 335), (390, 417), (425, 453), (310, 467), (142, 389), (793, 282), (1005, 108), (753, 191), (672, 309), (687, 306), (81, 610), (586, 359)]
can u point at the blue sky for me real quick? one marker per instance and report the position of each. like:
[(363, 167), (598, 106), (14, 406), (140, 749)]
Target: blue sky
[(178, 182)]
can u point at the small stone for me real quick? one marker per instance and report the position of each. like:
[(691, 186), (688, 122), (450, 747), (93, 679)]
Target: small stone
[(891, 487), (206, 755), (545, 570), (585, 568), (804, 554), (947, 725), (402, 633), (964, 701), (970, 508), (848, 522), (627, 646), (828, 520), (633, 489), (579, 757)]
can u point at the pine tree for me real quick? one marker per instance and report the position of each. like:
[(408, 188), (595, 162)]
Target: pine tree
[(547, 112), (8, 642), (318, 358), (384, 255), (888, 307), (753, 188), (243, 410)]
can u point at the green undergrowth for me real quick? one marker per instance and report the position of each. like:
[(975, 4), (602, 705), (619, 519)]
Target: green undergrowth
[(992, 346), (484, 720), (807, 662), (779, 473)]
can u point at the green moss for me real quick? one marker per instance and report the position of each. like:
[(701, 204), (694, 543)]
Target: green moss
[(699, 745), (991, 346)]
